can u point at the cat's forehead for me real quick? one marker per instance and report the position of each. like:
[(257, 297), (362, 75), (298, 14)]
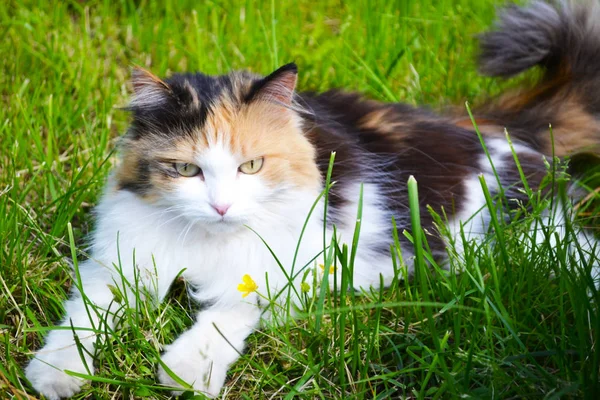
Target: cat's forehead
[(192, 99), (246, 131), (183, 116), (197, 112), (209, 89)]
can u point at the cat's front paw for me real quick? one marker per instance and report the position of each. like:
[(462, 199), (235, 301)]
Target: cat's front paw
[(204, 375), (45, 372)]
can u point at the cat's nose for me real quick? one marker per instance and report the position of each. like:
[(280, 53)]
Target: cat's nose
[(221, 208)]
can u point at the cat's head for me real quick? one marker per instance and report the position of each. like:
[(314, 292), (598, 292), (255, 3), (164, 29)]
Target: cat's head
[(219, 150)]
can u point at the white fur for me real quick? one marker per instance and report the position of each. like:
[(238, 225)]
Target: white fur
[(184, 233), (552, 227), (472, 222)]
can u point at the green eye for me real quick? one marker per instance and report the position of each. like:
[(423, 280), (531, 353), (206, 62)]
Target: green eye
[(252, 166), (187, 170)]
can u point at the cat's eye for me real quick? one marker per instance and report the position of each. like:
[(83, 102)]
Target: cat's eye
[(188, 170), (252, 166)]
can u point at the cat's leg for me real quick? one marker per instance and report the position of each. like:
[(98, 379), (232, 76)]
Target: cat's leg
[(472, 226), (202, 355), (583, 246), (61, 351)]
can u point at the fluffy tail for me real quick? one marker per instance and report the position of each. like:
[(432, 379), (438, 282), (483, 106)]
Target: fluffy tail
[(563, 38)]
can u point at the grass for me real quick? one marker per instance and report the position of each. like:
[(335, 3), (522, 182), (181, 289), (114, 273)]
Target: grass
[(500, 329)]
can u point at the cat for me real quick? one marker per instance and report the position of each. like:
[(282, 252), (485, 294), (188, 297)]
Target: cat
[(208, 157)]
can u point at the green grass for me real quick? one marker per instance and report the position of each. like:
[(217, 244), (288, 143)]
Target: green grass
[(500, 329)]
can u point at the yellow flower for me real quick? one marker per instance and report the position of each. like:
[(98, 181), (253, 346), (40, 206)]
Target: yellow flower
[(331, 268), (305, 287), (247, 286)]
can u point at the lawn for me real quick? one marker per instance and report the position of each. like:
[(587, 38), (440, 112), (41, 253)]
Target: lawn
[(516, 323)]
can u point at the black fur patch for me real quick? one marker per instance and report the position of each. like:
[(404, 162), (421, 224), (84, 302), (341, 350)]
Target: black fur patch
[(141, 185), (436, 152), (177, 116)]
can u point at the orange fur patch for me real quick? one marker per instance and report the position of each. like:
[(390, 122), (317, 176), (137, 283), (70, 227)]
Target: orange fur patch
[(266, 130), (263, 129), (485, 126), (126, 170), (384, 120), (576, 131)]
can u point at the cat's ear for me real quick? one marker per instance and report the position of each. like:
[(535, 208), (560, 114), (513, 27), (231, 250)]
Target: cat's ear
[(278, 87), (149, 91)]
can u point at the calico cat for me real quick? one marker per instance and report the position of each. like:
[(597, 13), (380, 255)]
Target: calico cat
[(207, 157)]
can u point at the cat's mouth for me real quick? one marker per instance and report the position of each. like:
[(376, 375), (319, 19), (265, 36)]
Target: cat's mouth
[(224, 225), (227, 220)]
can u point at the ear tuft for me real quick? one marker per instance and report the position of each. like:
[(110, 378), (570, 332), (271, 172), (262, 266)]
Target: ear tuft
[(148, 90), (278, 87)]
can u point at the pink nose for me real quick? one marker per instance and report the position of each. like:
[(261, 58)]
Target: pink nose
[(221, 208)]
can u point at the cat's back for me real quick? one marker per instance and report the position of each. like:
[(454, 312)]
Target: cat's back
[(384, 143), (357, 127)]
